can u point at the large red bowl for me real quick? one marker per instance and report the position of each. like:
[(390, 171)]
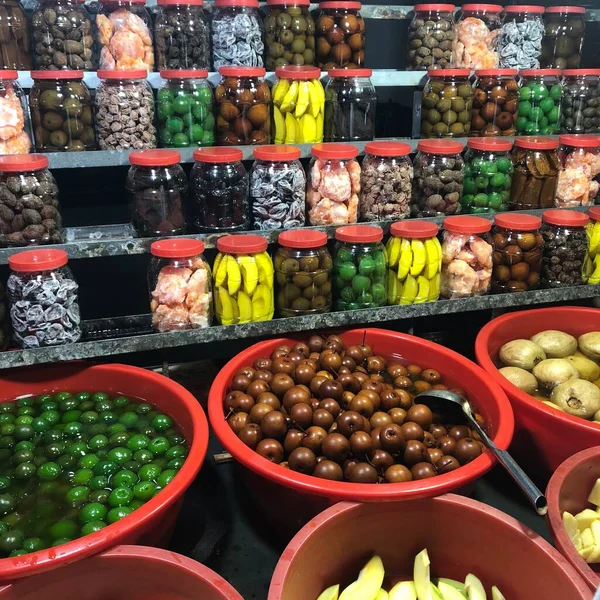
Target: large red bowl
[(461, 536), (288, 499), (544, 436), (150, 524)]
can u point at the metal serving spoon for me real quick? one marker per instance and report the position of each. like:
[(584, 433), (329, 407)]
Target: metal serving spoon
[(454, 409)]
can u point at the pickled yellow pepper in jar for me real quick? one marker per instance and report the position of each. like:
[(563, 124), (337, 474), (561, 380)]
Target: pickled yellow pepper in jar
[(593, 231)]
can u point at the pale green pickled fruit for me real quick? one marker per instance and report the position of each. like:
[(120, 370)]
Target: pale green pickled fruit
[(554, 371), (577, 397), (524, 354), (587, 368), (520, 378), (589, 344), (556, 344)]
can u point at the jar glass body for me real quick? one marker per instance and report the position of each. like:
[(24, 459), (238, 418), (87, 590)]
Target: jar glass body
[(466, 264), (244, 111), (4, 320), (540, 104), (182, 37), (44, 308), (385, 188), (576, 176), (62, 115), (520, 44), (340, 38), (185, 113), (350, 105), (29, 209), (243, 288), (487, 182), (517, 259), (581, 104), (303, 277), (437, 185), (278, 194), (359, 275), (564, 256), (125, 36), (62, 36), (219, 197), (125, 115), (237, 37), (534, 179), (475, 43), (15, 42), (289, 36), (332, 191), (15, 126), (495, 103), (430, 35), (180, 293), (563, 40), (157, 199), (593, 262), (446, 106)]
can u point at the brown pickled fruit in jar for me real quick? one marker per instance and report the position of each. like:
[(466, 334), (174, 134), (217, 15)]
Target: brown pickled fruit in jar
[(495, 104), (340, 41), (535, 178), (446, 109)]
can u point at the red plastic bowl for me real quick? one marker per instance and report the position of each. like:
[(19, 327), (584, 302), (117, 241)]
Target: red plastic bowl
[(131, 572), (461, 536), (289, 499), (150, 524), (568, 490), (544, 436)]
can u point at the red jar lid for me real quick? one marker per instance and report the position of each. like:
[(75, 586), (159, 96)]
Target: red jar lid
[(180, 2), (302, 238), (490, 144), (218, 155), (63, 74), (177, 248), (276, 153), (565, 218), (154, 158), (7, 74), (496, 72), (534, 142), (448, 73), (298, 72), (579, 140), (580, 72), (387, 148), (15, 163), (122, 74), (288, 2), (242, 71), (434, 7), (524, 8), (125, 2), (184, 74), (480, 7), (333, 151), (250, 3), (440, 147), (467, 224), (518, 222), (350, 5), (566, 9), (417, 230), (359, 234), (347, 73), (241, 244), (594, 213), (539, 72), (38, 260)]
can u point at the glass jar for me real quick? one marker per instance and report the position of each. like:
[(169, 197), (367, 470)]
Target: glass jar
[(243, 280), (414, 257), (29, 208), (535, 162), (565, 248), (359, 268), (446, 103), (385, 182), (4, 322), (350, 106), (125, 35), (593, 231), (466, 257), (340, 35), (517, 257), (220, 189), (62, 36), (182, 35), (237, 34), (488, 176), (303, 273), (495, 102), (290, 34), (298, 105), (581, 101), (520, 44), (244, 103), (125, 111), (277, 188), (475, 44), (44, 304), (430, 35), (157, 189), (15, 127), (540, 102), (184, 108), (61, 111), (15, 43), (180, 285), (563, 40), (438, 181), (333, 185), (579, 157)]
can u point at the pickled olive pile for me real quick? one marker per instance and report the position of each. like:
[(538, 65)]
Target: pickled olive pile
[(75, 462), (539, 105), (495, 102), (430, 35), (340, 38), (343, 413), (581, 102), (563, 40)]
